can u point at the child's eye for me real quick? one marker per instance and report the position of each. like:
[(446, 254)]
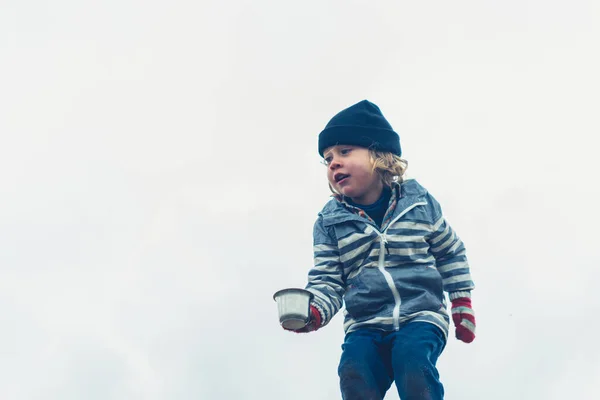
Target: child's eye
[(327, 160), (345, 151)]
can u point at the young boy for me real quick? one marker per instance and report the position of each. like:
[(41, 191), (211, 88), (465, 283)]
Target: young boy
[(383, 247)]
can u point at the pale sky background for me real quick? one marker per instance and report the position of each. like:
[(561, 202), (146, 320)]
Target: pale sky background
[(159, 181)]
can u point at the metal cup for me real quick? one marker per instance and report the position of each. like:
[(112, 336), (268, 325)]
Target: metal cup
[(294, 307)]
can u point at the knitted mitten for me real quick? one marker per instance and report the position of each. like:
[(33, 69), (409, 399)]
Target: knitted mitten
[(464, 319)]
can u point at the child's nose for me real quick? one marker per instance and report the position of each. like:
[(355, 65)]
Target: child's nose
[(334, 164)]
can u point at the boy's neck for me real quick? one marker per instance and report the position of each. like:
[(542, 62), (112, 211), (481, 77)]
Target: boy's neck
[(372, 200), (371, 197)]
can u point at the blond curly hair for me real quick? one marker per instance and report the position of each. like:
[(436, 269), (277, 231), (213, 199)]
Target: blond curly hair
[(390, 167)]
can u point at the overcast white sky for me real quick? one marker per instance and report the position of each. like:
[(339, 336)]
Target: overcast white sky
[(159, 180)]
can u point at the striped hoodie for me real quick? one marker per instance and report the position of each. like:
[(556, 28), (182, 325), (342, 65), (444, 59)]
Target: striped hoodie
[(387, 276)]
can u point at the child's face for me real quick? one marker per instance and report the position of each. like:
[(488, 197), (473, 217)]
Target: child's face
[(350, 172)]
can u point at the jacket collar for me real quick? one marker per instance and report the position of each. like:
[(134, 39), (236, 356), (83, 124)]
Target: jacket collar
[(397, 194), (407, 193)]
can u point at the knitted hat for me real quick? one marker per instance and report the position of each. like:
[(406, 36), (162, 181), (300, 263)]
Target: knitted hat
[(363, 125)]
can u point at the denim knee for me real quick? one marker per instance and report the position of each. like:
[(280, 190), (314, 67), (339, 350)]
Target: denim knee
[(357, 382), (415, 354), (362, 370)]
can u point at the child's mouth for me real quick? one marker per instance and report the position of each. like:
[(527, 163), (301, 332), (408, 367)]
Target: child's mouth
[(340, 178)]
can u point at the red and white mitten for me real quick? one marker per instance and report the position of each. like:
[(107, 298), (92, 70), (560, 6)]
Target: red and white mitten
[(464, 319)]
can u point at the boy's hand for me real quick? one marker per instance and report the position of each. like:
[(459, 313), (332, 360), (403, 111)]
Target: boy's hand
[(464, 319), (313, 324)]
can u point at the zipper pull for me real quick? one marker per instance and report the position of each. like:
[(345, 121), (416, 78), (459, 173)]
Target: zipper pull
[(385, 244)]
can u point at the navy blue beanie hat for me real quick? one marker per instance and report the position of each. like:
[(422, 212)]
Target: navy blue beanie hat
[(363, 125)]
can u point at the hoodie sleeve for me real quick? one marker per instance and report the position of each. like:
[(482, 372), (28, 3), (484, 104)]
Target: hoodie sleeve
[(450, 255), (325, 279)]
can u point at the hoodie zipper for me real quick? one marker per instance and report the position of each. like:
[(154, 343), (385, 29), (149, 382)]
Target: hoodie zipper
[(381, 265)]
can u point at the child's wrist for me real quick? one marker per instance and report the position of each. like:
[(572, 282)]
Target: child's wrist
[(459, 294)]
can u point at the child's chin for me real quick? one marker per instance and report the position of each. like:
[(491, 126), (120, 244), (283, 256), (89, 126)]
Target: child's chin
[(348, 193)]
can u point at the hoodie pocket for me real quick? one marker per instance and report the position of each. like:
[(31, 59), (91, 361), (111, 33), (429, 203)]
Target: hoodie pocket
[(420, 288), (367, 294)]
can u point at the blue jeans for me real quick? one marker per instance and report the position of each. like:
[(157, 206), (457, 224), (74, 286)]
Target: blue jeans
[(372, 359)]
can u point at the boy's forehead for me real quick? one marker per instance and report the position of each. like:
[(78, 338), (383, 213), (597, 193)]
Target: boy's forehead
[(336, 147), (330, 148)]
